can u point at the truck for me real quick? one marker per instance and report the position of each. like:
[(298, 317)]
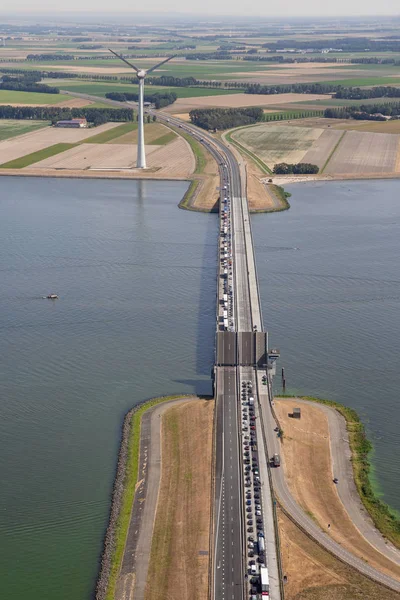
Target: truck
[(261, 544), (276, 460), (264, 581)]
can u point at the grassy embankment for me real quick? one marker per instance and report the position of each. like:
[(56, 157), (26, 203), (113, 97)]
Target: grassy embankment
[(201, 161), (129, 484), (382, 515)]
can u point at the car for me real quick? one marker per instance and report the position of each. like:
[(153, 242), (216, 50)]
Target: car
[(250, 522), (258, 507), (246, 453), (250, 553), (246, 447), (258, 513), (259, 520), (250, 530), (247, 484), (261, 534), (259, 526), (335, 480), (248, 502), (248, 508), (252, 427), (276, 429), (250, 538), (257, 496), (252, 562), (260, 559)]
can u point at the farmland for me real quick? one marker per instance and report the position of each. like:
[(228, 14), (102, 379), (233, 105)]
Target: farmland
[(12, 97), (365, 153), (277, 143), (10, 128)]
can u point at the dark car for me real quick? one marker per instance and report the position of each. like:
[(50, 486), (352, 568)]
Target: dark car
[(250, 530), (335, 480), (248, 508), (248, 502)]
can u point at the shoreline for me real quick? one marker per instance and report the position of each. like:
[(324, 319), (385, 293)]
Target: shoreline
[(122, 496), (280, 180), (383, 516)]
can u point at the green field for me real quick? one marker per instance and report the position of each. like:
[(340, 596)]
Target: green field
[(101, 89), (111, 134), (34, 157), (365, 81), (10, 128), (11, 97), (345, 102)]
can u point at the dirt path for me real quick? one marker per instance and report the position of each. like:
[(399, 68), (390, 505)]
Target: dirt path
[(314, 574), (307, 461), (179, 560), (132, 580)]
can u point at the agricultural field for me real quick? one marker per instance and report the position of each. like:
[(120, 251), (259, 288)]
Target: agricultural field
[(10, 128), (35, 141), (361, 152), (277, 143), (30, 98), (322, 148), (101, 89), (183, 105)]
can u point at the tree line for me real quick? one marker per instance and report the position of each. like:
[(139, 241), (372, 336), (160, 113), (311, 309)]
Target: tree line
[(160, 100), (369, 112), (225, 118), (97, 116), (294, 88), (356, 93), (347, 44), (295, 169), (28, 82)]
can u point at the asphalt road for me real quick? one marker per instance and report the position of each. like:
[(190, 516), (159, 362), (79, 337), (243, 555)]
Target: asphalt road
[(228, 559)]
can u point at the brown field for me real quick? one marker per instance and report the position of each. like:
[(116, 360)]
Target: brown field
[(173, 160), (181, 540), (365, 153), (183, 105), (314, 574), (322, 147), (37, 140), (308, 469)]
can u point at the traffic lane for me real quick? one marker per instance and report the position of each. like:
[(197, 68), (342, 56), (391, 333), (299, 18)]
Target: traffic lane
[(218, 573), (232, 487)]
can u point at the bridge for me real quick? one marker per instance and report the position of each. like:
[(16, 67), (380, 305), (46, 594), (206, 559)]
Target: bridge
[(241, 360)]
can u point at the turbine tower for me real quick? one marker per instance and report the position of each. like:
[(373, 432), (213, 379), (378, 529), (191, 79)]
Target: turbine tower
[(141, 74)]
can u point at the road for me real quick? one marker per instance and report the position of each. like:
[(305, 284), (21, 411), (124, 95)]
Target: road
[(247, 314), (228, 559)]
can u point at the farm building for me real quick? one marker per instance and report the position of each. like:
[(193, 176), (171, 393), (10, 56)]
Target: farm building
[(296, 413), (72, 123)]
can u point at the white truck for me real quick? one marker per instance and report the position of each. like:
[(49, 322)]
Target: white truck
[(264, 581), (261, 544)]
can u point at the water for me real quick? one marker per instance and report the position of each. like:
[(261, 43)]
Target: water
[(330, 293), (135, 319)]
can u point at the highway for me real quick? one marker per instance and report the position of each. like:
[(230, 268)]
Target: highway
[(230, 568), (248, 314)]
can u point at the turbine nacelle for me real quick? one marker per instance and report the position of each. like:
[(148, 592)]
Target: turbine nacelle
[(141, 74)]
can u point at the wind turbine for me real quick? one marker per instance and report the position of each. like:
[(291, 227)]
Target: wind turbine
[(141, 74)]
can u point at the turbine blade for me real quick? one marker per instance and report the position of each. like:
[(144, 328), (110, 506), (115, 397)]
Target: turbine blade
[(159, 64), (125, 61)]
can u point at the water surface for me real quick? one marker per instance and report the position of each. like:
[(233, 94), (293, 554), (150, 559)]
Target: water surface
[(330, 291), (135, 319)]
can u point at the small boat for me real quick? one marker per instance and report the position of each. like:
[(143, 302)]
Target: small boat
[(51, 297)]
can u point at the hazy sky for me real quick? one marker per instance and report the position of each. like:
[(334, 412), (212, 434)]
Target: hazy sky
[(212, 7)]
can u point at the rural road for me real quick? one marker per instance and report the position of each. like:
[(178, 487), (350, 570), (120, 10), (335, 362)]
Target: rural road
[(132, 579), (346, 487), (298, 514)]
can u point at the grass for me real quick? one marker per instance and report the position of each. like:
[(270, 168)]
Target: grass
[(384, 518), (111, 134), (10, 128), (364, 81), (12, 97), (198, 152), (164, 139), (34, 157), (283, 196), (131, 475), (187, 198), (332, 153)]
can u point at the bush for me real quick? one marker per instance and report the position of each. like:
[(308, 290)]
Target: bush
[(295, 169)]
